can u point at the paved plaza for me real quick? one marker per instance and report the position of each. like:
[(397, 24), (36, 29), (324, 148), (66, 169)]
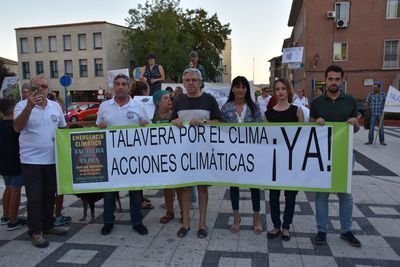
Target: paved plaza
[(376, 222)]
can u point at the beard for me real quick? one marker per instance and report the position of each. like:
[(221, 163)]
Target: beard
[(333, 88)]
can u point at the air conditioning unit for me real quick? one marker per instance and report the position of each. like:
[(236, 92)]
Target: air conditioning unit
[(331, 14), (342, 23)]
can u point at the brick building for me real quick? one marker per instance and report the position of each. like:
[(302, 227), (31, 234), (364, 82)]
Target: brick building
[(363, 37)]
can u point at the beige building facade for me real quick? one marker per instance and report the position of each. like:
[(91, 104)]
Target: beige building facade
[(227, 61), (84, 51)]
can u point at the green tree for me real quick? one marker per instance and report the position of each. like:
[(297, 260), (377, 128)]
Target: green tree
[(165, 29)]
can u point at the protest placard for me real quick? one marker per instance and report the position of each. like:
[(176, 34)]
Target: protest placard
[(283, 156)]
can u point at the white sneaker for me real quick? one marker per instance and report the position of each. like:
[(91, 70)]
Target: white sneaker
[(194, 206)]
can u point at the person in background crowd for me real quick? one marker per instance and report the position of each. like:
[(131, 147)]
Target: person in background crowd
[(272, 102), (300, 99), (141, 89), (240, 108), (108, 95), (197, 108), (37, 119), (263, 100), (334, 106), (283, 111), (153, 74), (194, 63), (162, 114), (25, 91), (10, 167), (169, 89), (118, 111), (320, 91), (376, 102)]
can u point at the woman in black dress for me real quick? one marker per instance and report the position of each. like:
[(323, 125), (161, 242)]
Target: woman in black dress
[(283, 111)]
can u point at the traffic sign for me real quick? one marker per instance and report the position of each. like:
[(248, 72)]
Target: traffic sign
[(65, 81)]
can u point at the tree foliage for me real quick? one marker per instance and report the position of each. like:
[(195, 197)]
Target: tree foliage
[(171, 33)]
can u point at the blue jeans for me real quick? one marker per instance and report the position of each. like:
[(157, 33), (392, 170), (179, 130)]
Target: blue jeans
[(135, 201), (345, 211), (374, 121)]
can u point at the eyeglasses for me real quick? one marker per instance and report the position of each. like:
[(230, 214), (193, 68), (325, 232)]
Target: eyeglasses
[(334, 79), (193, 80), (43, 86)]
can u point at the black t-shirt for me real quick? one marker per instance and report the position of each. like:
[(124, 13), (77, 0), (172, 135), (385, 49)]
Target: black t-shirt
[(338, 110), (202, 107), (9, 149), (289, 115)]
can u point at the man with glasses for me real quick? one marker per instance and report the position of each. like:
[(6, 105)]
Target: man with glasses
[(118, 111), (334, 106), (197, 108), (37, 119)]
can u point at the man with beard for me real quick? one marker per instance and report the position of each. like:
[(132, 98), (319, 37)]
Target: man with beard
[(334, 106)]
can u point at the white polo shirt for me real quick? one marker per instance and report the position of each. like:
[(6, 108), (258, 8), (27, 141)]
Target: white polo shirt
[(37, 139), (115, 115)]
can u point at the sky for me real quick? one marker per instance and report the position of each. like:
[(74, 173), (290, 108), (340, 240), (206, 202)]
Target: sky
[(258, 26)]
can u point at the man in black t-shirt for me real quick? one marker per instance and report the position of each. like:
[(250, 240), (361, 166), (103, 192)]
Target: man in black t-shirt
[(334, 106), (197, 108)]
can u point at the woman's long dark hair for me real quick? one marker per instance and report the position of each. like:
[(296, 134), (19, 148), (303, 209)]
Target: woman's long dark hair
[(238, 81)]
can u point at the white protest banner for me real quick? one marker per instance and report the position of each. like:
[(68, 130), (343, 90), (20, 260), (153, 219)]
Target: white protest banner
[(112, 73), (11, 89), (292, 54), (286, 156), (392, 103)]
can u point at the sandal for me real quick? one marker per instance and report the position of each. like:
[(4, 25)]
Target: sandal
[(285, 235), (147, 205), (273, 233), (257, 227), (235, 227), (166, 218), (202, 233), (182, 232)]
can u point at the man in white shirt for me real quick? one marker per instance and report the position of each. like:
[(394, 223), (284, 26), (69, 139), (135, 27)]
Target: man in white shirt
[(37, 119), (263, 100), (118, 111), (300, 99)]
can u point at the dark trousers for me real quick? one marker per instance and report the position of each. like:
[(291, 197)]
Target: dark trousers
[(255, 198), (40, 186), (135, 201), (290, 201)]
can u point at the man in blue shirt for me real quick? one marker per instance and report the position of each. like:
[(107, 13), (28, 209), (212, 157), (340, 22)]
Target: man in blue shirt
[(376, 102)]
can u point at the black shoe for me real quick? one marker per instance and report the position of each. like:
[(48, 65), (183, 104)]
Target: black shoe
[(202, 233), (383, 144), (140, 229), (320, 238), (182, 232), (20, 223), (106, 229), (368, 143), (349, 237), (271, 234)]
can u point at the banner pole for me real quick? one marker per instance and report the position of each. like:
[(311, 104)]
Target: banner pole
[(380, 125)]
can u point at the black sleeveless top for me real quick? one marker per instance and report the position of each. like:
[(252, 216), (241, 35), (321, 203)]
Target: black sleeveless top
[(289, 115)]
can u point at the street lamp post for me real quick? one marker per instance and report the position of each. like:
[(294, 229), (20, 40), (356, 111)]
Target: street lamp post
[(316, 59)]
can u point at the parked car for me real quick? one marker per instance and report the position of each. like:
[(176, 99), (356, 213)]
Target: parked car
[(80, 111)]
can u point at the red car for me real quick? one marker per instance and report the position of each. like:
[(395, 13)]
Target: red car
[(80, 111)]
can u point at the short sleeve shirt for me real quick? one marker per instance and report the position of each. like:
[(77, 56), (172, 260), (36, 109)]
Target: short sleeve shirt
[(116, 115), (202, 107), (37, 139), (338, 110)]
